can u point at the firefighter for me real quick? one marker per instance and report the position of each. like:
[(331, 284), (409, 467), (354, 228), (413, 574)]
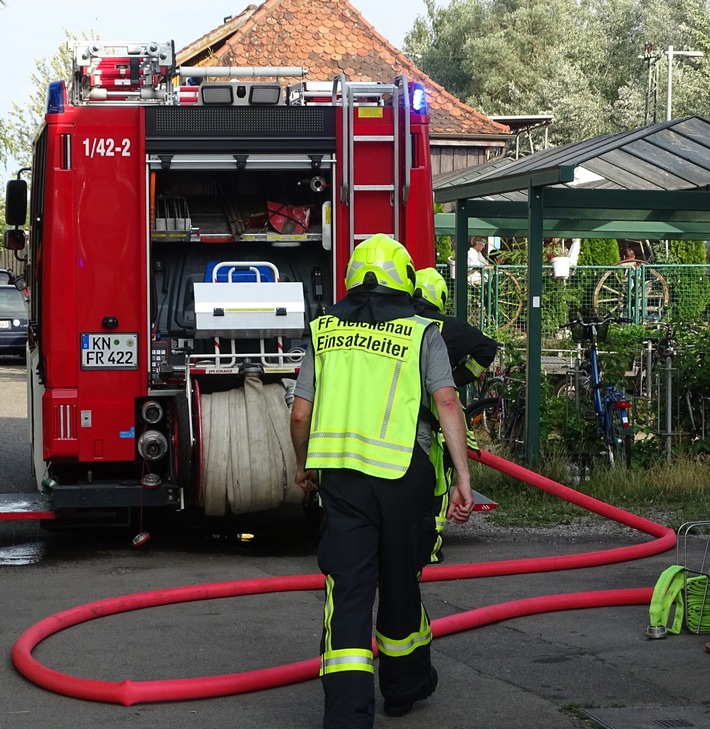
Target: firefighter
[(470, 353), (357, 422)]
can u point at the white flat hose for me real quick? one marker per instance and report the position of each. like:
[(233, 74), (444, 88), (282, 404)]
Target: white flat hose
[(248, 462)]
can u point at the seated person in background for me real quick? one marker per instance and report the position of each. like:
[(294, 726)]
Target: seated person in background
[(629, 258), (476, 258)]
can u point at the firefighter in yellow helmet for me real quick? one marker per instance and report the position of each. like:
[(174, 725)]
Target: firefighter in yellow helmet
[(358, 423), (470, 353)]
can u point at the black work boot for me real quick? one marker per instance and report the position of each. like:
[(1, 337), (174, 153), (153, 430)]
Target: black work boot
[(404, 707)]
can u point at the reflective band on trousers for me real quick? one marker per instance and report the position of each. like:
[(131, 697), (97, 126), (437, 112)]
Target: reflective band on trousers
[(342, 659), (328, 609), (368, 395), (347, 659), (404, 646)]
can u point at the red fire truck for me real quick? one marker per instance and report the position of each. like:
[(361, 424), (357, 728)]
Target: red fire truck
[(185, 226)]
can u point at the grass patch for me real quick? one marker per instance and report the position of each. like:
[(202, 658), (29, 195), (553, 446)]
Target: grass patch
[(678, 492), (577, 711)]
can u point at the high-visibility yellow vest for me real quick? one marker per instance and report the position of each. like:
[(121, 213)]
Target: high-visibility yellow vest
[(368, 394)]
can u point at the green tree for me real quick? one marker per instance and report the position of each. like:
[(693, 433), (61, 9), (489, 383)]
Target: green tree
[(579, 60), (17, 131), (26, 117), (598, 252), (443, 242), (3, 162)]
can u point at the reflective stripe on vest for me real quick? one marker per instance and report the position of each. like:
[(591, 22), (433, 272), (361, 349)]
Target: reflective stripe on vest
[(346, 659), (405, 646), (375, 365)]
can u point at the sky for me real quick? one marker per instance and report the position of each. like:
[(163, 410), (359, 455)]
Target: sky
[(35, 28)]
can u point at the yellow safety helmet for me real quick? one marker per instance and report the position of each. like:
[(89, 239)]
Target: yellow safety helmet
[(380, 262), (432, 286)]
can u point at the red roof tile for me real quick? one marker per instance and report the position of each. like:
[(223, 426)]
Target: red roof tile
[(328, 37)]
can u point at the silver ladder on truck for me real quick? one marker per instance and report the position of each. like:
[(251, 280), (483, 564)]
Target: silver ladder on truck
[(356, 94)]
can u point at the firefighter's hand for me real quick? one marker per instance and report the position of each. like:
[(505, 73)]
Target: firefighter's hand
[(306, 480), (461, 503)]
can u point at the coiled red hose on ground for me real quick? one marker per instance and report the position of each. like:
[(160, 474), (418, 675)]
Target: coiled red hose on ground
[(130, 692)]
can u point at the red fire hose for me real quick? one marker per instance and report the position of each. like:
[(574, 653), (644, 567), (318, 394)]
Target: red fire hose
[(129, 692)]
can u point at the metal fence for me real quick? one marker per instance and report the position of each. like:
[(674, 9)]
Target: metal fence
[(647, 293)]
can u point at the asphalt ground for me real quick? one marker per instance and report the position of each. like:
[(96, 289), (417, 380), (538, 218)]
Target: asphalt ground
[(556, 670)]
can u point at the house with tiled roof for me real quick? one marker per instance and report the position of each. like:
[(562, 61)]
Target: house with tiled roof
[(331, 37)]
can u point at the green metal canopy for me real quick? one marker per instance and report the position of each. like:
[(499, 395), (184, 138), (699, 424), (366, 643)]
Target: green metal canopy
[(652, 182)]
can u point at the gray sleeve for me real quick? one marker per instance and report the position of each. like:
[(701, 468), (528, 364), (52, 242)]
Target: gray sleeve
[(305, 384), (436, 373), (436, 367)]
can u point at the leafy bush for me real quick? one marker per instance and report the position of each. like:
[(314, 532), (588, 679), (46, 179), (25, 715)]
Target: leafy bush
[(443, 242), (679, 251), (598, 252)]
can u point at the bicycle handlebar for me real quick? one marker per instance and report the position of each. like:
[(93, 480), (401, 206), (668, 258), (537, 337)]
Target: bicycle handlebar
[(596, 321)]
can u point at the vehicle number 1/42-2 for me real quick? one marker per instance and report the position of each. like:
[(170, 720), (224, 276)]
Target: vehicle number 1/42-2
[(109, 351), (106, 147)]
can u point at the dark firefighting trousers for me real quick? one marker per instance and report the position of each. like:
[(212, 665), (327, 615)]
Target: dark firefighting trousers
[(376, 533)]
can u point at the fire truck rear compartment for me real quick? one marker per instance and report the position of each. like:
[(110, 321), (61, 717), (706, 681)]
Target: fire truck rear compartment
[(229, 220), (240, 263)]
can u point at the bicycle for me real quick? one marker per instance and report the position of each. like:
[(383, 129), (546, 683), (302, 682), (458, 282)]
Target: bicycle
[(497, 418), (610, 403)]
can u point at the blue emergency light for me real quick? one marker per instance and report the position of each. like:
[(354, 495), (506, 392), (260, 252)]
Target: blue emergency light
[(418, 98), (56, 97)]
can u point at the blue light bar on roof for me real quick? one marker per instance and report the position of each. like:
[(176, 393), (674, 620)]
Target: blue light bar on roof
[(418, 100), (56, 97)]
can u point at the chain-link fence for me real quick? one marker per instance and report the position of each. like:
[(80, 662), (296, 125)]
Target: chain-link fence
[(497, 295)]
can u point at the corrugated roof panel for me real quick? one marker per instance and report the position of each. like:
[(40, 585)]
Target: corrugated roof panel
[(646, 167), (671, 155), (681, 146), (471, 173), (686, 172), (694, 128), (617, 174)]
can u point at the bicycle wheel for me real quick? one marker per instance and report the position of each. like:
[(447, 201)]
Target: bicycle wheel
[(621, 444), (564, 388), (610, 293), (485, 418), (493, 388), (508, 301), (656, 295), (515, 433)]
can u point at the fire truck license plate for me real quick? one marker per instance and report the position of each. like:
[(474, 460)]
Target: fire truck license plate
[(109, 351)]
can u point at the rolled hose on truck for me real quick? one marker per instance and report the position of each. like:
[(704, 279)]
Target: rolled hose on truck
[(130, 692)]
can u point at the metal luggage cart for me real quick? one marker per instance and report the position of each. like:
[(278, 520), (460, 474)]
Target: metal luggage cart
[(696, 582)]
